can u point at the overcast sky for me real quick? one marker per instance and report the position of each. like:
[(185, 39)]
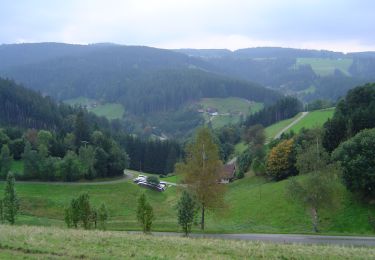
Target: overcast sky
[(341, 25)]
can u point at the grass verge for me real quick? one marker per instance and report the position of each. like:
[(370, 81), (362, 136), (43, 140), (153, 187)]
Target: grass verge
[(54, 243)]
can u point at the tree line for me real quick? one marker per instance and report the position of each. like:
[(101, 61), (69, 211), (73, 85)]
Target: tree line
[(282, 109), (59, 142)]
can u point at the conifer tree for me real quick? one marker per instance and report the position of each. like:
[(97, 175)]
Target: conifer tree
[(5, 161), (10, 202)]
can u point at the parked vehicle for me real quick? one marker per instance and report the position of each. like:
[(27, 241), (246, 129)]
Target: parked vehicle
[(152, 186), (140, 178)]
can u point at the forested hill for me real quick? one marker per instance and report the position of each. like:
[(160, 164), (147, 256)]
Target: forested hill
[(25, 108), (143, 79), (25, 115), (308, 74), (262, 53)]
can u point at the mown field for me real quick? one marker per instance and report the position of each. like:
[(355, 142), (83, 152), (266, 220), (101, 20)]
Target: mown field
[(273, 130), (108, 110), (55, 243), (228, 109), (313, 119), (251, 205), (326, 66)]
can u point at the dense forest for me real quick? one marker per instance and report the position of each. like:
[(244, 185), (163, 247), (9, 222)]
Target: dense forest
[(58, 142), (143, 79), (283, 109), (353, 114), (277, 68), (103, 71)]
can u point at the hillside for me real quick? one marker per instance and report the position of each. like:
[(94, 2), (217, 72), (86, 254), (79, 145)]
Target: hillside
[(140, 78), (312, 119), (108, 110), (36, 243), (223, 111), (252, 205), (310, 74), (25, 108)]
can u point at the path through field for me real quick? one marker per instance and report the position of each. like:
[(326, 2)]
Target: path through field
[(127, 175), (285, 238), (290, 125)]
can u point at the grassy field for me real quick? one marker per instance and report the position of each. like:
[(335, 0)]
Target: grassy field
[(174, 179), (231, 104), (108, 110), (240, 148), (229, 109), (54, 243), (252, 205), (272, 130), (44, 203), (313, 119), (325, 66)]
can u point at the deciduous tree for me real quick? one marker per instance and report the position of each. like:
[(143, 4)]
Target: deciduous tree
[(201, 172), (356, 157), (317, 191), (103, 216), (281, 161), (186, 212), (145, 213)]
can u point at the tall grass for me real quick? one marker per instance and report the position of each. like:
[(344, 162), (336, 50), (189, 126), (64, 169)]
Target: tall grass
[(50, 243)]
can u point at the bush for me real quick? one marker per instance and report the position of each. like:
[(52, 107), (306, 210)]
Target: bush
[(153, 180)]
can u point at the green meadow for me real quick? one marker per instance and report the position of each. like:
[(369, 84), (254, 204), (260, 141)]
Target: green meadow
[(326, 66), (251, 205), (229, 110), (313, 119), (108, 110)]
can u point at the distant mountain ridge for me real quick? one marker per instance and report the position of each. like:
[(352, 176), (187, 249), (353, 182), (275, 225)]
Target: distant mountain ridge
[(146, 79), (143, 79)]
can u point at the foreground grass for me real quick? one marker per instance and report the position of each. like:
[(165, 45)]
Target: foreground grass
[(54, 243)]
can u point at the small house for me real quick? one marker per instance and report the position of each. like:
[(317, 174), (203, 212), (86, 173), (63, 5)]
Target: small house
[(228, 173), (211, 110)]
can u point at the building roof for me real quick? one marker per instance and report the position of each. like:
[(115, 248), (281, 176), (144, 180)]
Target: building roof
[(228, 171)]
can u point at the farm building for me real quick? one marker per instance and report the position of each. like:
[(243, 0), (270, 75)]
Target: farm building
[(228, 173)]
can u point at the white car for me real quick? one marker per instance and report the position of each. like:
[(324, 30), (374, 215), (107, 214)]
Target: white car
[(140, 178)]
